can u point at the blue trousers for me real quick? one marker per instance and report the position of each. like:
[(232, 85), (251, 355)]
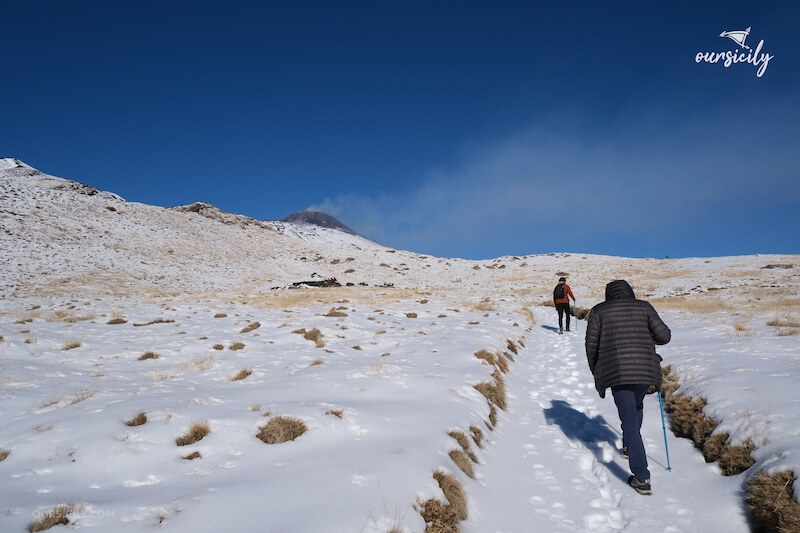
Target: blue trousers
[(629, 400)]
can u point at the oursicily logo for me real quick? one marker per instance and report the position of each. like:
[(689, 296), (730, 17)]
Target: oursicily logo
[(743, 54)]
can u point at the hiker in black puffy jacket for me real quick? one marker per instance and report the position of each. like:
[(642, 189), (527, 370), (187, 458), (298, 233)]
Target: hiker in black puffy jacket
[(621, 338)]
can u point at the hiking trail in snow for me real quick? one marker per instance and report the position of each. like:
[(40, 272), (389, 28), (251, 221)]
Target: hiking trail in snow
[(554, 456)]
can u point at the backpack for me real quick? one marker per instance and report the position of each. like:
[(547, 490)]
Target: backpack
[(558, 292)]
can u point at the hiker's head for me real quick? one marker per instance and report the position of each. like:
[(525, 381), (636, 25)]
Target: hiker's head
[(562, 280), (619, 289)]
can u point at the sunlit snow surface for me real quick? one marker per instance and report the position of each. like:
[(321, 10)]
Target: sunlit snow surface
[(394, 373)]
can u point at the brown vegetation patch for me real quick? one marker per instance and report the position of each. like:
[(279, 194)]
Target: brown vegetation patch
[(338, 413), (486, 355), (477, 436), (236, 346), (218, 347), (462, 462), (485, 305), (314, 335), (71, 345), (148, 355), (335, 313), (316, 362), (786, 326), (411, 315), (243, 373), (281, 429), (444, 517), (770, 497), (463, 441), (192, 456), (512, 347), (55, 517), (495, 394), (137, 420), (4, 453), (732, 459), (439, 517), (250, 327), (156, 321), (114, 321), (195, 434), (221, 315)]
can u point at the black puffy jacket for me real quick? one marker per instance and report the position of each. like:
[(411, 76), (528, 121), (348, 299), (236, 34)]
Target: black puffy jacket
[(621, 338)]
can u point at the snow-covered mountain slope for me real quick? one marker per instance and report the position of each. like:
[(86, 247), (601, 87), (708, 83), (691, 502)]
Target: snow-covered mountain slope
[(114, 311), (60, 236)]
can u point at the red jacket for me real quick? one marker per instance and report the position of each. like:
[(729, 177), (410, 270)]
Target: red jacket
[(567, 295)]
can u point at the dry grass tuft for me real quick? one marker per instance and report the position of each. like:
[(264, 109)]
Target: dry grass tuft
[(770, 499), (462, 462), (477, 436), (55, 517), (786, 326), (218, 347), (236, 346), (192, 456), (243, 373), (70, 317), (281, 429), (221, 315), (314, 335), (784, 323), (156, 321), (444, 518), (148, 355), (138, 420), (316, 362), (195, 434), (335, 313), (512, 347), (693, 304), (495, 394), (70, 345), (485, 305), (732, 459), (487, 356), (411, 315), (688, 419), (115, 321), (4, 453), (454, 493), (338, 413), (250, 327), (439, 517), (463, 441)]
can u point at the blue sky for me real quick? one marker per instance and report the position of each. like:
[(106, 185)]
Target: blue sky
[(467, 129)]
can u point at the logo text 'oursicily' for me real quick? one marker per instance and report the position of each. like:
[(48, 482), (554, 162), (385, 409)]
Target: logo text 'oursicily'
[(744, 54)]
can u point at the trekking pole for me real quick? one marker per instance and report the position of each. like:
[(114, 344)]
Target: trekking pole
[(664, 426)]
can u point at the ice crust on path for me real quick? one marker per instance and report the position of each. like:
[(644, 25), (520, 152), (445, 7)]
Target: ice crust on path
[(553, 463)]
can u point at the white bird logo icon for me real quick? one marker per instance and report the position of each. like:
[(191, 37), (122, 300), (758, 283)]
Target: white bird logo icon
[(737, 36)]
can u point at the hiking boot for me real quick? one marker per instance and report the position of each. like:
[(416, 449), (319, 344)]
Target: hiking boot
[(624, 452), (642, 487), (560, 331), (567, 329)]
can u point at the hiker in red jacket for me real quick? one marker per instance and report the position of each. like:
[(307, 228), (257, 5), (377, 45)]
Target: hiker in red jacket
[(561, 295)]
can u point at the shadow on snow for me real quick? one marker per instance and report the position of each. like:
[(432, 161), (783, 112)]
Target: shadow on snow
[(592, 432)]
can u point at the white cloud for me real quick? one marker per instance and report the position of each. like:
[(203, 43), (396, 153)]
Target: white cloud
[(558, 186)]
